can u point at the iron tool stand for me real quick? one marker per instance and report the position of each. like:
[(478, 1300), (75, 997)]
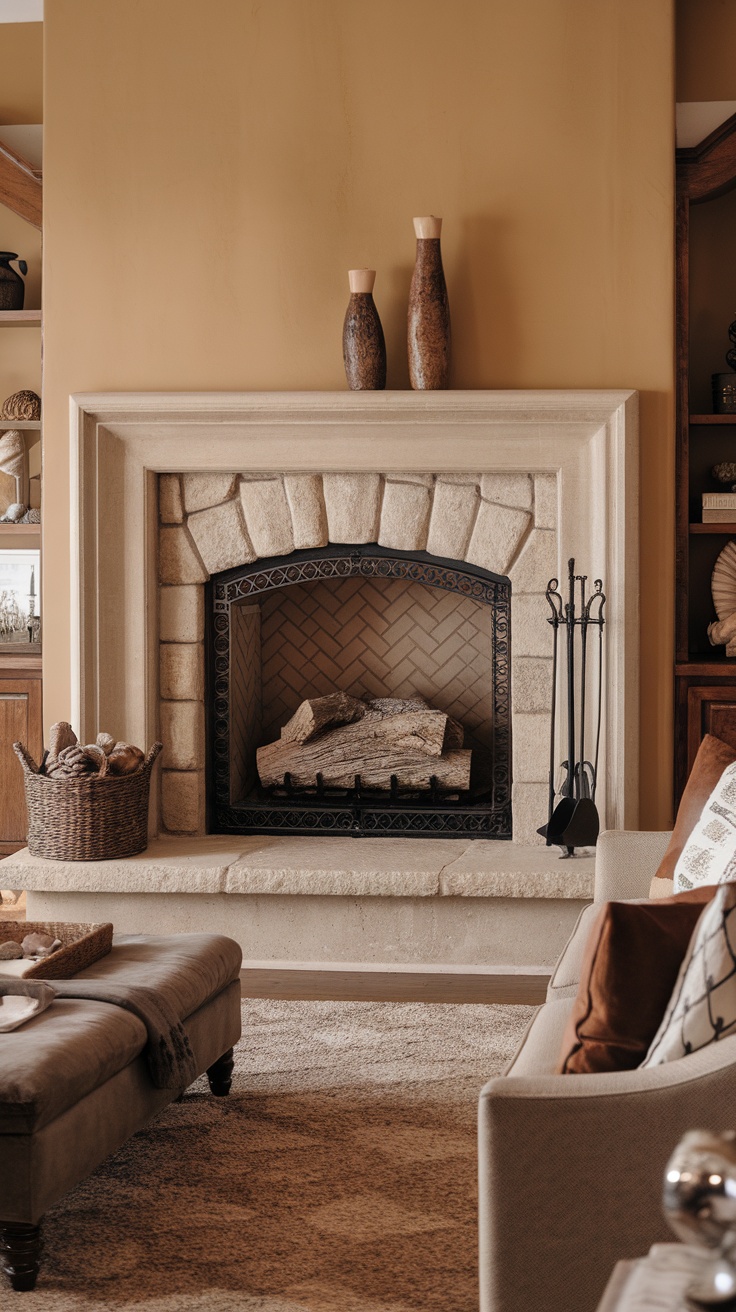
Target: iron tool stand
[(574, 821)]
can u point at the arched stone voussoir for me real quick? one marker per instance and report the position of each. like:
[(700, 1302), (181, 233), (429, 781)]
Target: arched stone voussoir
[(220, 537), (497, 535), (267, 516), (353, 504)]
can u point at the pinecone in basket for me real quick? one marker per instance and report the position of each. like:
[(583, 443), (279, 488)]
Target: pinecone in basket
[(78, 762)]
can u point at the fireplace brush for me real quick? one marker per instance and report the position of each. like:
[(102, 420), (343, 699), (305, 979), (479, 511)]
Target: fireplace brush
[(573, 821)]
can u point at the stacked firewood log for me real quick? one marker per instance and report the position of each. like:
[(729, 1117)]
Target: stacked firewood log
[(339, 738)]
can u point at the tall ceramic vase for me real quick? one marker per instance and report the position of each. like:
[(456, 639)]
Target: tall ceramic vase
[(429, 312), (363, 346)]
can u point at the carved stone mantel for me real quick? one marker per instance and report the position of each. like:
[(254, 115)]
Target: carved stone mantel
[(121, 442)]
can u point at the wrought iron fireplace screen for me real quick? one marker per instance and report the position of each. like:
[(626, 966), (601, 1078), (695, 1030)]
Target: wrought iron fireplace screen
[(483, 811)]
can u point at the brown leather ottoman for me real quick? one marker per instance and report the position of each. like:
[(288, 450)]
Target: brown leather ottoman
[(75, 1082)]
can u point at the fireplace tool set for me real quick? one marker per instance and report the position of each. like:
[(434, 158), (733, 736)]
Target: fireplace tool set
[(573, 821)]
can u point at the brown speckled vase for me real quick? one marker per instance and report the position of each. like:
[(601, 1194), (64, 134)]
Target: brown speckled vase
[(429, 312), (363, 346)]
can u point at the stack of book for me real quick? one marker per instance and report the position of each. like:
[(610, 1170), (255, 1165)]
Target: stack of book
[(719, 507)]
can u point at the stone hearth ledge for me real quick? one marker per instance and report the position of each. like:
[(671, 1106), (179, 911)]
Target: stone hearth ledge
[(333, 867)]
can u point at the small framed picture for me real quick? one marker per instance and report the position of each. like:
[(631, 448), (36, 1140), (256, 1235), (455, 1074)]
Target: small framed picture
[(20, 601)]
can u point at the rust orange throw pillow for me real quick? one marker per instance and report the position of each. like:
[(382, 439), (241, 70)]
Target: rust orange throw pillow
[(712, 758), (632, 957)]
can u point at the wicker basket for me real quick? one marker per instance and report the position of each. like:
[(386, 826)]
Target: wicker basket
[(89, 819), (81, 945)]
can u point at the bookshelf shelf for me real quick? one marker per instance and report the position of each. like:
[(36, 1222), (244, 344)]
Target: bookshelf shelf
[(728, 529), (698, 420)]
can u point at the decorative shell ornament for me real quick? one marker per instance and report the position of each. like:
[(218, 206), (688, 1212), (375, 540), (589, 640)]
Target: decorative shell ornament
[(14, 513), (14, 461), (39, 945), (21, 405), (723, 582), (10, 950), (725, 473)]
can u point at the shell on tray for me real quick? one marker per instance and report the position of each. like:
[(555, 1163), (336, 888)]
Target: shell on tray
[(39, 945), (723, 582)]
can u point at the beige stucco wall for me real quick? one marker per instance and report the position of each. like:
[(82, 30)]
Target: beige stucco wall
[(211, 176), (21, 84)]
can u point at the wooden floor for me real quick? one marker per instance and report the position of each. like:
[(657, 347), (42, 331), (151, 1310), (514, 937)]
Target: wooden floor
[(352, 984)]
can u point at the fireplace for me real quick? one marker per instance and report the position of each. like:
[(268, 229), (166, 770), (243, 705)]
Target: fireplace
[(372, 622), (172, 491)]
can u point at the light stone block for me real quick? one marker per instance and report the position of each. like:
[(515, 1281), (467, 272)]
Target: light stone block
[(168, 865), (182, 734), (170, 504), (178, 561), (496, 537), (530, 804), (545, 500), (181, 614), (353, 505), (404, 516), (182, 801), (267, 516), (507, 490), (181, 671), (531, 634), (530, 748), (336, 867), (531, 687), (308, 514), (488, 868), (454, 507), (536, 563), (494, 934), (204, 490), (220, 537)]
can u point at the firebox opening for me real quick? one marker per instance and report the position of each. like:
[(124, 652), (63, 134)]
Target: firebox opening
[(374, 624)]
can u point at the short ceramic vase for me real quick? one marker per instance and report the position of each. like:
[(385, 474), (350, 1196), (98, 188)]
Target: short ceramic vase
[(429, 312), (12, 286), (363, 345)]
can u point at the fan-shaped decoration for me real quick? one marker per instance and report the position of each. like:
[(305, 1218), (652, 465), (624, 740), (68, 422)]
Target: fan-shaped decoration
[(21, 405), (723, 582)]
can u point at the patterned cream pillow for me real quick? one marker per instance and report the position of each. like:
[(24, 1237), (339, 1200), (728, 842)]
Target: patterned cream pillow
[(702, 1008), (709, 855)]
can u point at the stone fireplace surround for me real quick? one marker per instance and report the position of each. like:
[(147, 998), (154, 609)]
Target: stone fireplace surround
[(523, 480)]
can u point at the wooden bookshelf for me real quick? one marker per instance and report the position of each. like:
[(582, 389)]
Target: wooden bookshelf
[(705, 680)]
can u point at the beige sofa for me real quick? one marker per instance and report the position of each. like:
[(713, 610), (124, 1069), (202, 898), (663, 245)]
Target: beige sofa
[(571, 1165)]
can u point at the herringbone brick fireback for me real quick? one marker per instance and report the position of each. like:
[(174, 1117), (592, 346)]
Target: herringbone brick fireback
[(377, 637)]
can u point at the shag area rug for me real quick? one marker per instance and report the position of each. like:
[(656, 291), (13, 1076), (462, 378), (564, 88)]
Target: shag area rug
[(339, 1176)]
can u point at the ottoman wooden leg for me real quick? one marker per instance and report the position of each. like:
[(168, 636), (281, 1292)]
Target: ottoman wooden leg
[(220, 1075), (20, 1249)]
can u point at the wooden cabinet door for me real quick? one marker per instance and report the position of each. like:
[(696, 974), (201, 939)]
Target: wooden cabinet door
[(20, 721), (710, 710)]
